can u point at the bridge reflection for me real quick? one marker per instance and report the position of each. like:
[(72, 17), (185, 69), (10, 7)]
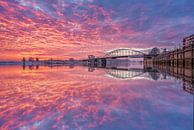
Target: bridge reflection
[(126, 72), (154, 73), (124, 53)]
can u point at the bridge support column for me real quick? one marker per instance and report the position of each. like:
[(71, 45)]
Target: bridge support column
[(103, 62)]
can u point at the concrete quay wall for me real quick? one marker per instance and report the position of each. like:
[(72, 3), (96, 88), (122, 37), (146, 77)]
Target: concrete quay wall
[(183, 57)]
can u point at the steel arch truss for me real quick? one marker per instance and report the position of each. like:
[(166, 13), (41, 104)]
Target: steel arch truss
[(124, 52), (124, 74)]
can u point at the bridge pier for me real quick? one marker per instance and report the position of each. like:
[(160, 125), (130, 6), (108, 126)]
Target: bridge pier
[(97, 62)]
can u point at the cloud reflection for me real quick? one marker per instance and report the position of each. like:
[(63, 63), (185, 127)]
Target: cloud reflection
[(48, 99)]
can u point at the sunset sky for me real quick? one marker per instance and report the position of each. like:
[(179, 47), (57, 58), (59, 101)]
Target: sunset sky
[(76, 28)]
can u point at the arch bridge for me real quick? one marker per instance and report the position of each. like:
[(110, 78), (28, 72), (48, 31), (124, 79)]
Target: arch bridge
[(125, 73), (125, 53)]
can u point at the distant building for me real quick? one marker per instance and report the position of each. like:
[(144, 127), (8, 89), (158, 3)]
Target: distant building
[(164, 51), (154, 51), (188, 40), (24, 59), (31, 59), (91, 57), (71, 59)]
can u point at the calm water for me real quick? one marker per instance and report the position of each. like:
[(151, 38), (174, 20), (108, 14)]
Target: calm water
[(65, 98)]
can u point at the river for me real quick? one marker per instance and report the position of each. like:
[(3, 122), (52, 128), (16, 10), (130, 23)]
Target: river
[(82, 98)]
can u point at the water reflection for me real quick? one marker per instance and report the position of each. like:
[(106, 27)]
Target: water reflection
[(155, 72), (110, 98)]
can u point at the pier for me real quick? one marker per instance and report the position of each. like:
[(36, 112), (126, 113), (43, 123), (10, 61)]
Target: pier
[(182, 57)]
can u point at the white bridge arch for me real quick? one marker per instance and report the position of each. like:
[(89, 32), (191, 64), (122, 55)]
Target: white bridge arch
[(124, 53), (125, 73)]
